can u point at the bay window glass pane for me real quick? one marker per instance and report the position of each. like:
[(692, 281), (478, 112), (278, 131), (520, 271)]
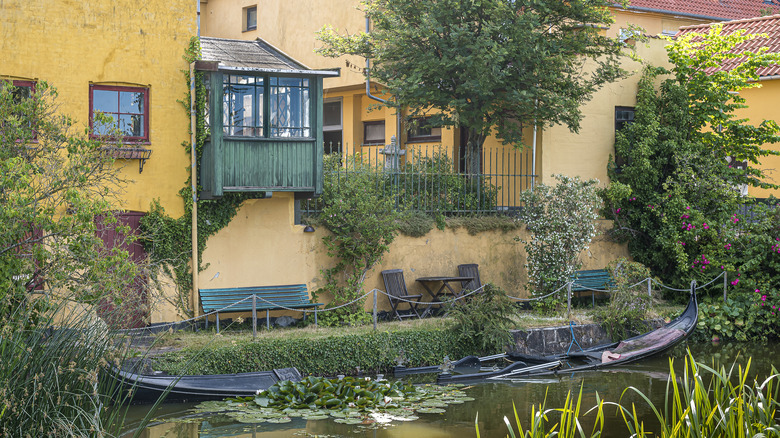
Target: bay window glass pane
[(243, 106), (290, 107)]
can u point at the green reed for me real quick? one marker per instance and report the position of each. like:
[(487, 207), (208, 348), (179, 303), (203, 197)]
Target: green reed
[(50, 373), (703, 402)]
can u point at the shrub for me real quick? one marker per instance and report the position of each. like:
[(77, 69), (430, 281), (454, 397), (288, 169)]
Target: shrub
[(625, 314), (361, 221), (561, 220), (483, 320)]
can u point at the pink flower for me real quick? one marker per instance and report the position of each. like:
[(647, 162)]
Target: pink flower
[(734, 283), (705, 226), (763, 297), (727, 246), (687, 208), (618, 210), (758, 291)]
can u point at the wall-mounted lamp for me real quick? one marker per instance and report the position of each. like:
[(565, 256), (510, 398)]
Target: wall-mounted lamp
[(308, 229)]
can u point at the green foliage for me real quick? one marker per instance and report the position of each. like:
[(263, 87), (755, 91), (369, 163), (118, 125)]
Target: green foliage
[(626, 313), (742, 316), (673, 196), (483, 321), (626, 273), (568, 420), (168, 241), (57, 186), (361, 221), (710, 401), (415, 224), (486, 66), (430, 183), (320, 392), (561, 221), (376, 352), (705, 401), (347, 400)]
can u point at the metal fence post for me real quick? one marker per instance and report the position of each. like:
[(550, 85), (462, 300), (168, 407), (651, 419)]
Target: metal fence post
[(725, 284), (254, 316), (374, 309), (568, 298), (649, 287)]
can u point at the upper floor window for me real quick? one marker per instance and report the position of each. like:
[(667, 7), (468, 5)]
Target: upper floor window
[(247, 98), (421, 131), (374, 132), (127, 107), (623, 115), (22, 90), (250, 18)]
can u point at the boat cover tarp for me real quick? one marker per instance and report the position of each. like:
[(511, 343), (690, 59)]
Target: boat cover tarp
[(651, 341)]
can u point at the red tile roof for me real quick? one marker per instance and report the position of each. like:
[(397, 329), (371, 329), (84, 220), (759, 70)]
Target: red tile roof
[(716, 10), (763, 25)]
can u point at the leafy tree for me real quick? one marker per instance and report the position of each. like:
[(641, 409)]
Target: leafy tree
[(674, 197), (55, 188), (486, 65)]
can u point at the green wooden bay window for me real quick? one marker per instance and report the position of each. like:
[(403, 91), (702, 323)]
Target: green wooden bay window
[(264, 120)]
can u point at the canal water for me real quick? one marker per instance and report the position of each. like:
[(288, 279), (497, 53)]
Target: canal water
[(492, 402)]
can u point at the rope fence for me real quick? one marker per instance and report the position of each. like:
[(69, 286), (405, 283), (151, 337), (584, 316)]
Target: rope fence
[(375, 293)]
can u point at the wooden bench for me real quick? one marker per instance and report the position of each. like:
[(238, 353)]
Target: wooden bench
[(294, 296), (586, 281)]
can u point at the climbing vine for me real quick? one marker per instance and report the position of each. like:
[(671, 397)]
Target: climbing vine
[(169, 240)]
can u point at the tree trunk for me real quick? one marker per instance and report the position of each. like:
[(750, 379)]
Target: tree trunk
[(474, 143)]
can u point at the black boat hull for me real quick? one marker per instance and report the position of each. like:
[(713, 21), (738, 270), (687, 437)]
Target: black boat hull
[(146, 388)]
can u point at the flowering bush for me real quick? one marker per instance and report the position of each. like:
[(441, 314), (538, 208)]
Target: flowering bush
[(561, 221)]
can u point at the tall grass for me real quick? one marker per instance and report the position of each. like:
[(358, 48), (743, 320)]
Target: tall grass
[(704, 402), (50, 366), (712, 401)]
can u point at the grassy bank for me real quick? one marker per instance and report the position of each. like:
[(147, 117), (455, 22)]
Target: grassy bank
[(329, 351)]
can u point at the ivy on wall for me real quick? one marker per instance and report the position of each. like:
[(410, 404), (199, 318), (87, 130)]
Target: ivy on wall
[(168, 241)]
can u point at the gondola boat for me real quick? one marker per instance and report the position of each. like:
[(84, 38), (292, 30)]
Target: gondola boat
[(613, 354), (146, 388)]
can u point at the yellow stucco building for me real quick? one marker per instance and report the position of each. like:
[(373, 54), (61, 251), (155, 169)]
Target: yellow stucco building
[(106, 52)]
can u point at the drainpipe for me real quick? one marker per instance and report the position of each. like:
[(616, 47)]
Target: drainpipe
[(371, 96), (533, 153), (194, 185)]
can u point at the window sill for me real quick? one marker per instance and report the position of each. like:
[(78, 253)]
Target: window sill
[(265, 139), (249, 29), (436, 139), (130, 153)]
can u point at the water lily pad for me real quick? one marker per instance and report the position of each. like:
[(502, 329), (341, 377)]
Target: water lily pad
[(431, 410), (279, 420), (349, 420), (316, 417)]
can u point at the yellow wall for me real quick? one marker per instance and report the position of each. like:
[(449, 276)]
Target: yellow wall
[(112, 42), (586, 154), (116, 42), (291, 26), (263, 247), (762, 105)]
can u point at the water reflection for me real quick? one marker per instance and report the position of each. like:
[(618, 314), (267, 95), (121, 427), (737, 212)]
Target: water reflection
[(493, 402)]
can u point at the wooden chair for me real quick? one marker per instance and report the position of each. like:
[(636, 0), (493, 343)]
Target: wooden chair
[(396, 292), (470, 270)]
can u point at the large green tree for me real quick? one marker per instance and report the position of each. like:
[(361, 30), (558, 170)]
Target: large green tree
[(674, 196), (486, 66), (57, 186)]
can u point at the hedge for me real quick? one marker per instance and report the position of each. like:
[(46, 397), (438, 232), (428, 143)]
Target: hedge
[(370, 353)]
